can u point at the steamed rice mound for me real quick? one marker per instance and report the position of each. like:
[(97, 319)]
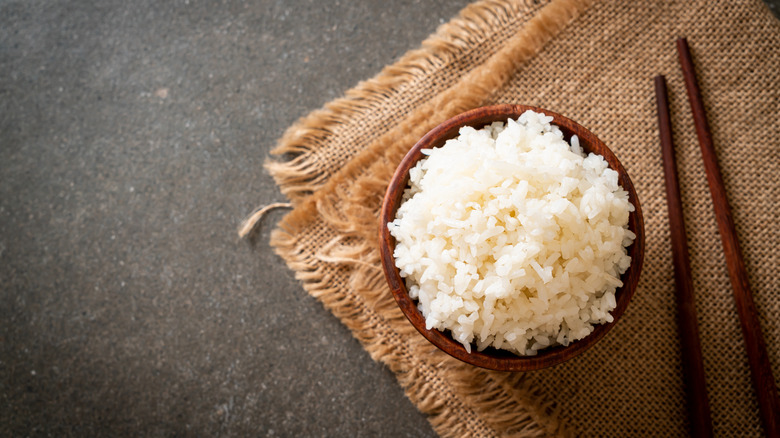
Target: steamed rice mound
[(510, 237)]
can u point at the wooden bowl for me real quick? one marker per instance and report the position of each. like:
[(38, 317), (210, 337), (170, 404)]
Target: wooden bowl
[(492, 358)]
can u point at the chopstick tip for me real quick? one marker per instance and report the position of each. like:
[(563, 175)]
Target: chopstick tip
[(660, 83)]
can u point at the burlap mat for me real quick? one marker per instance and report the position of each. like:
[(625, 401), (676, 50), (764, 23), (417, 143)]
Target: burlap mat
[(593, 62)]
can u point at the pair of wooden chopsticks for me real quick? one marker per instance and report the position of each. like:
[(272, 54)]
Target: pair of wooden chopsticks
[(761, 372)]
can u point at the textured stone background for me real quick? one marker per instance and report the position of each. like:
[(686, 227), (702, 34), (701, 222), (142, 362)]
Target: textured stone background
[(132, 137)]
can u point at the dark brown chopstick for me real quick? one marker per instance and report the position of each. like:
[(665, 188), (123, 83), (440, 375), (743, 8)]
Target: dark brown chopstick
[(693, 363), (758, 358)]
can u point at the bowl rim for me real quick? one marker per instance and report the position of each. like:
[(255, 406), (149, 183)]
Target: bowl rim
[(491, 358)]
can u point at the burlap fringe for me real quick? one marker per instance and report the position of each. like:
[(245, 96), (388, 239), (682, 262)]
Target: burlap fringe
[(248, 225), (471, 402), (298, 174)]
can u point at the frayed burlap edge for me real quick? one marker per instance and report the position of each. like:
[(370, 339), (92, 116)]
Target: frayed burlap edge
[(343, 273), (460, 401), (299, 174)]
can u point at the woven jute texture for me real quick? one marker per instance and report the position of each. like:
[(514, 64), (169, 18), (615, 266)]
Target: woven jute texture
[(593, 62)]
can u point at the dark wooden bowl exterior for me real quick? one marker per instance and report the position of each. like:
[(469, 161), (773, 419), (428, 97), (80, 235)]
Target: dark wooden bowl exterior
[(493, 358)]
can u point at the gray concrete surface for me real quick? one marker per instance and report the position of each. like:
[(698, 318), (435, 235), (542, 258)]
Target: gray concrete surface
[(132, 137)]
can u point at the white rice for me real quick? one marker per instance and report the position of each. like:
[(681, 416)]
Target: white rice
[(510, 237)]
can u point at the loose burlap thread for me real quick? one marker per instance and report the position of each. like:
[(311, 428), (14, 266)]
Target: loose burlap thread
[(594, 62)]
